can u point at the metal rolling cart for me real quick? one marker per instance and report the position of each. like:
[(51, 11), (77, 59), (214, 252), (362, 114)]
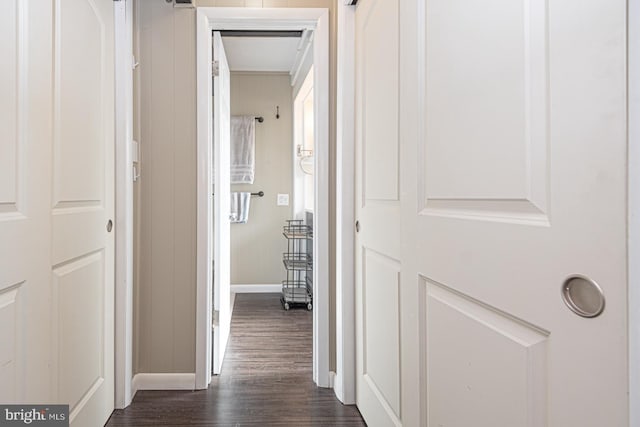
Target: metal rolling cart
[(297, 288)]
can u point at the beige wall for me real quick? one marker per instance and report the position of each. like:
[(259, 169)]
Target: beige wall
[(257, 246), (166, 249), (165, 276)]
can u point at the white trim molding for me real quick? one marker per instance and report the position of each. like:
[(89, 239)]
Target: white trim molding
[(321, 296), (163, 382), (268, 288), (317, 19), (300, 93), (204, 221), (345, 380), (633, 219), (123, 14)]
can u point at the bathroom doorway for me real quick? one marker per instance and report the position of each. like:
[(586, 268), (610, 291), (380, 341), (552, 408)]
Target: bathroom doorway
[(276, 197), (263, 68)]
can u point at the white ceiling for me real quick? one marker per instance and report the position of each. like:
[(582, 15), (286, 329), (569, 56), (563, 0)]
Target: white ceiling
[(272, 54)]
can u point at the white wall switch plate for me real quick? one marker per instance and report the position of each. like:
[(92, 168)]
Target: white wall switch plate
[(135, 150), (283, 199)]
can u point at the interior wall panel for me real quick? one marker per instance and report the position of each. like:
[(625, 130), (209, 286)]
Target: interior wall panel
[(158, 147), (184, 298)]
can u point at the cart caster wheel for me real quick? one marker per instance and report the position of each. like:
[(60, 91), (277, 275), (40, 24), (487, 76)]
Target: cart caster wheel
[(309, 307), (286, 306)]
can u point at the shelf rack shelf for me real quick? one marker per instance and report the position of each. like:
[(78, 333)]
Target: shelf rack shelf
[(297, 288)]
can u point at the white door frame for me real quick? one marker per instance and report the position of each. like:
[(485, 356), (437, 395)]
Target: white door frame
[(633, 206), (345, 379), (123, 11), (216, 18), (299, 193)]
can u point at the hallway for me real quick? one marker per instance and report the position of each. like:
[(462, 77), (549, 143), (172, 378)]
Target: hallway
[(265, 381)]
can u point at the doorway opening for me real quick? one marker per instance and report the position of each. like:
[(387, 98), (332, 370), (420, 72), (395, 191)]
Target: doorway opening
[(237, 81), (265, 68)]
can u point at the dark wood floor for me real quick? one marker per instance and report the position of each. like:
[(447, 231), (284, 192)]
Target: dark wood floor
[(265, 380)]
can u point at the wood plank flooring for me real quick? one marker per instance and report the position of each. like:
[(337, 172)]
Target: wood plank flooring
[(265, 380)]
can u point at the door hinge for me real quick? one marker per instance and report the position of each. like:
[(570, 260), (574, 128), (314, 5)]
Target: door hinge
[(215, 68)]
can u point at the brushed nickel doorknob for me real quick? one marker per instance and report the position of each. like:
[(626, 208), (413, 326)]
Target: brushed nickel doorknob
[(583, 296), (357, 226), (109, 226)]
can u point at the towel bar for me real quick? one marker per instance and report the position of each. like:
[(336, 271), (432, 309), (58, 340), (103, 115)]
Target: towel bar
[(259, 194)]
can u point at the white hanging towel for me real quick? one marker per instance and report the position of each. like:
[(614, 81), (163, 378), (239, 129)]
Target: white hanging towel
[(239, 209), (243, 149)]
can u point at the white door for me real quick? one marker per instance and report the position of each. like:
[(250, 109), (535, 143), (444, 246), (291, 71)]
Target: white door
[(56, 198), (222, 182), (378, 251), (82, 266), (513, 154)]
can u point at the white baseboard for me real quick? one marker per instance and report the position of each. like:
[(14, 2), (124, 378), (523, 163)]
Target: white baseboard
[(337, 385), (163, 382), (270, 288)]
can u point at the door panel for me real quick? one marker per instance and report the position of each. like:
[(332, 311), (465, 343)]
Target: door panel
[(381, 324), (9, 31), (56, 195), (511, 119), (515, 152), (80, 67), (24, 207), (485, 110), (378, 92), (80, 280), (83, 203), (222, 200), (11, 332), (475, 350), (378, 307)]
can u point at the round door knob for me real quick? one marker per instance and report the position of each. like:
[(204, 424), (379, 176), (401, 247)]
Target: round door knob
[(109, 226), (583, 296), (357, 226)]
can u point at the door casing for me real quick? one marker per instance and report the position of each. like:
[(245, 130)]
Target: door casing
[(633, 206), (124, 203), (215, 18)]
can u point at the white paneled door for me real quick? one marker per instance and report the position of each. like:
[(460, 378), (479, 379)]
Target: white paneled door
[(378, 251), (56, 204), (508, 118), (222, 188)]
